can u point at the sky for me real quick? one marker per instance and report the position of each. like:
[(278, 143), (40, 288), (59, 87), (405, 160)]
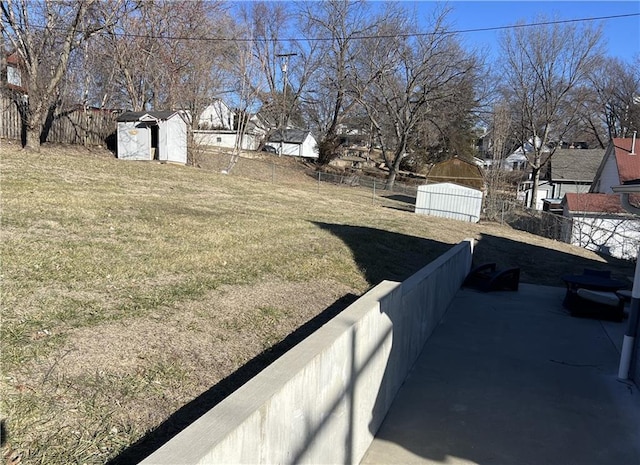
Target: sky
[(622, 34)]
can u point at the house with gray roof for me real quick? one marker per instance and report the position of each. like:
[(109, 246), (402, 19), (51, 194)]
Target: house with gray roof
[(596, 219), (294, 142), (573, 170)]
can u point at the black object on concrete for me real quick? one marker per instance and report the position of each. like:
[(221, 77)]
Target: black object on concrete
[(590, 306), (487, 278)]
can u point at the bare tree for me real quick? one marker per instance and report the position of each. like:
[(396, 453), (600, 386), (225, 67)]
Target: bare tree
[(543, 66), (500, 144), (45, 34), (247, 76), (402, 80), (265, 21), (611, 104), (337, 25)]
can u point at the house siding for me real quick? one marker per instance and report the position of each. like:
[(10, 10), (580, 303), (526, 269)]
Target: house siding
[(615, 236), (226, 139), (217, 115), (609, 176), (309, 147), (562, 188)]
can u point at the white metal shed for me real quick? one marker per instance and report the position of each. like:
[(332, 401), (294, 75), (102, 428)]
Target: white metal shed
[(449, 200), (153, 135)]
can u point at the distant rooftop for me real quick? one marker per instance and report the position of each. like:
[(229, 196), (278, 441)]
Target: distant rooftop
[(575, 164)]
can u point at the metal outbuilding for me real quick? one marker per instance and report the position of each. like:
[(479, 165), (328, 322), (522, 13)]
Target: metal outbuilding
[(449, 200), (153, 135)]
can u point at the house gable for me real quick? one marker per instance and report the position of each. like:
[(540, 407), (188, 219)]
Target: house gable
[(628, 164), (618, 166), (217, 116)]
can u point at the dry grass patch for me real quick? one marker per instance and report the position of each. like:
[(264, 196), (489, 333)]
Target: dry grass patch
[(131, 288)]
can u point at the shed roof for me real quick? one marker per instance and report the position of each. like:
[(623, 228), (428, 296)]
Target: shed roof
[(131, 116), (458, 171), (292, 136), (576, 164)]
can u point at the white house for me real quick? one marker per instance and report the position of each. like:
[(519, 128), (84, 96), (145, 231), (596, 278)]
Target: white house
[(517, 160), (597, 220), (153, 135), (294, 142), (217, 116), (218, 128)]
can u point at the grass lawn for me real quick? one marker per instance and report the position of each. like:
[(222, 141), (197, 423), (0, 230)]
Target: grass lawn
[(129, 289)]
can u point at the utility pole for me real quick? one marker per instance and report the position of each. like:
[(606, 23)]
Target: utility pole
[(284, 119)]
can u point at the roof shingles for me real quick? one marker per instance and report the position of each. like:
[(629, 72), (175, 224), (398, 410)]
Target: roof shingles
[(628, 165), (576, 164)]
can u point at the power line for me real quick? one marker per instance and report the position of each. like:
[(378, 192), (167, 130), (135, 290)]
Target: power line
[(382, 36)]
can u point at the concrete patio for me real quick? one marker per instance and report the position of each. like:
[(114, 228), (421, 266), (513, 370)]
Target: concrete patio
[(511, 378)]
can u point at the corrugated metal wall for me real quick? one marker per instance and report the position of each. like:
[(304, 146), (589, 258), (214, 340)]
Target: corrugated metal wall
[(449, 201)]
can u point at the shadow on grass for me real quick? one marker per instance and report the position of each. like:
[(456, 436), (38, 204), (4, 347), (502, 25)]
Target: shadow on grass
[(541, 265), (411, 200), (380, 255), (187, 414), (387, 255)]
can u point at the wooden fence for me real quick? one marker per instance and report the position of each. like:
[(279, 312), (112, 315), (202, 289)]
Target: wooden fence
[(79, 126), (10, 124)]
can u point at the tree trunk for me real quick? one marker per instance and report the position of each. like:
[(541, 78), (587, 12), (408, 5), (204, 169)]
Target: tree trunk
[(395, 166), (391, 179), (33, 126), (32, 142), (535, 177)]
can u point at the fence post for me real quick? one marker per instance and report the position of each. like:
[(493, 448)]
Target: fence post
[(373, 199), (273, 173), (319, 182)]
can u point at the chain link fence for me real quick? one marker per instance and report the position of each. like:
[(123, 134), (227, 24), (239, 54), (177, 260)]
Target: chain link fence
[(514, 214), (286, 171), (500, 206), (618, 236)]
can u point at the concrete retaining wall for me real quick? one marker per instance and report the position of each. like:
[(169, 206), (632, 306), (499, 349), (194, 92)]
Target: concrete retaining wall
[(324, 400)]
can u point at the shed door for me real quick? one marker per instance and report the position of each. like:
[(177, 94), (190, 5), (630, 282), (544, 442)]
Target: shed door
[(143, 141), (134, 141)]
